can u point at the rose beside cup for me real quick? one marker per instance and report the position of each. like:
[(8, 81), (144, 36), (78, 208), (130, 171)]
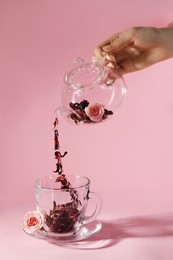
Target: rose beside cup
[(65, 210), (33, 221)]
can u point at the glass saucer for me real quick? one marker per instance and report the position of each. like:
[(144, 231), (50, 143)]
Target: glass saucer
[(85, 231)]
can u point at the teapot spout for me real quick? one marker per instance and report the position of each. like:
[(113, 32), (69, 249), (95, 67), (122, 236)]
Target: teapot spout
[(58, 112)]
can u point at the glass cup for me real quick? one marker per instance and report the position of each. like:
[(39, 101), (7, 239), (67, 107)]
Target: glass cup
[(65, 208)]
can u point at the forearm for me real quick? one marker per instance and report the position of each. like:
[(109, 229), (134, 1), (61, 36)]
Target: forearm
[(167, 41)]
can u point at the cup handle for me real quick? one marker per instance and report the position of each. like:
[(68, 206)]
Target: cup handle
[(97, 209)]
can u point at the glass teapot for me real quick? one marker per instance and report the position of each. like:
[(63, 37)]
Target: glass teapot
[(92, 93)]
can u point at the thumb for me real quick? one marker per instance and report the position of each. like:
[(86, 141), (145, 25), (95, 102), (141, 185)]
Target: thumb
[(170, 24), (120, 40)]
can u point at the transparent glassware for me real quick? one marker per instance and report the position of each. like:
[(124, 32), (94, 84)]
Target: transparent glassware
[(66, 210), (90, 94)]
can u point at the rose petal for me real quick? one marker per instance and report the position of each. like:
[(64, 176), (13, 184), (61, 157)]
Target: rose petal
[(32, 222), (95, 112)]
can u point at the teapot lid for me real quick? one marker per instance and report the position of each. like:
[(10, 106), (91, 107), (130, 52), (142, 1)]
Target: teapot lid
[(84, 75)]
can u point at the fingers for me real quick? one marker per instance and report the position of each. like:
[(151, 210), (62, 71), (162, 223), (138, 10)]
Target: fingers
[(116, 51), (117, 42), (121, 40)]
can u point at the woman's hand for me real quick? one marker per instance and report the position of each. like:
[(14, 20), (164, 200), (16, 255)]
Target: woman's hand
[(137, 48)]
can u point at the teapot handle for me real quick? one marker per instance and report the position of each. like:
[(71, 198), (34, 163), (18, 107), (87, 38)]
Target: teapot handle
[(110, 66)]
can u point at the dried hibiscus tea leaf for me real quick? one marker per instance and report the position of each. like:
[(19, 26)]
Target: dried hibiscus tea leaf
[(63, 217), (84, 112)]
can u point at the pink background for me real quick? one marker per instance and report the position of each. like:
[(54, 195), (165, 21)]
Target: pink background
[(128, 159)]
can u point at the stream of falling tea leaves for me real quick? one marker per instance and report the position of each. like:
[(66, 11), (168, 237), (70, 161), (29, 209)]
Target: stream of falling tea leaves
[(62, 217)]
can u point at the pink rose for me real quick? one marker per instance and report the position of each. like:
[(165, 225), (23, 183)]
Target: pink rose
[(32, 222), (95, 112)]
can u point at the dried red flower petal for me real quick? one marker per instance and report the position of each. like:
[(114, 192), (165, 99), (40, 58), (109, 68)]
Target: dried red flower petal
[(84, 112), (62, 217)]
